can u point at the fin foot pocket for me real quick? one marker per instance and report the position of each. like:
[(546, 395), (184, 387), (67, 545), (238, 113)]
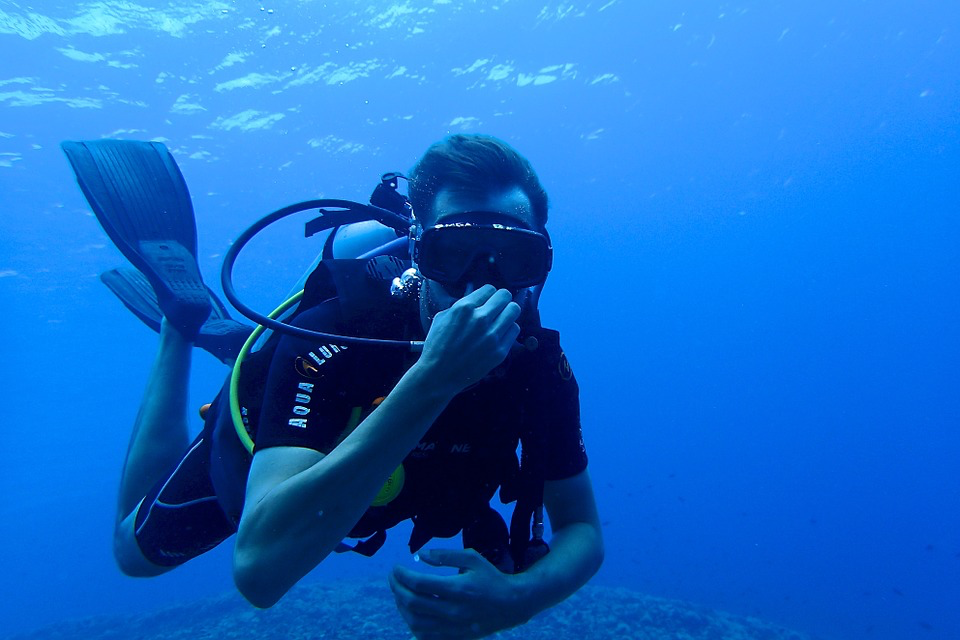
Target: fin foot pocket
[(175, 277), (220, 335), (223, 338)]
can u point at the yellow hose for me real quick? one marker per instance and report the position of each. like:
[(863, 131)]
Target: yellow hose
[(235, 414), (391, 489)]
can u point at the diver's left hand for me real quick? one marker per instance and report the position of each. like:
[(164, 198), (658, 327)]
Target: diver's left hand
[(478, 601)]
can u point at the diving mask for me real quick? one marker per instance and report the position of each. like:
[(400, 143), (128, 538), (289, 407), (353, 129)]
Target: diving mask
[(460, 252)]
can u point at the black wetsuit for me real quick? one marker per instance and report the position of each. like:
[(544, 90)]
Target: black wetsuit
[(312, 391)]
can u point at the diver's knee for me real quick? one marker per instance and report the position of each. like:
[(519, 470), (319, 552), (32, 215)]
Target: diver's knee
[(128, 555)]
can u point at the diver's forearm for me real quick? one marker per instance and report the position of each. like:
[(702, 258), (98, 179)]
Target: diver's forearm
[(576, 553), (301, 520)]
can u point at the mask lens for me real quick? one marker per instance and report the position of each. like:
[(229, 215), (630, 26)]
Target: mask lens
[(504, 256), (445, 255)]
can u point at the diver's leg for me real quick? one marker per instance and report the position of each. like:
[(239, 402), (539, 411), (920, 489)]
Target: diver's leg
[(160, 433), (178, 518), (126, 551)]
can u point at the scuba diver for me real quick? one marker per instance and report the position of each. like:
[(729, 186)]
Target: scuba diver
[(396, 386)]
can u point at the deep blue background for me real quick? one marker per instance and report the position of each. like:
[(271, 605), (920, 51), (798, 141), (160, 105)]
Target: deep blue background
[(755, 210)]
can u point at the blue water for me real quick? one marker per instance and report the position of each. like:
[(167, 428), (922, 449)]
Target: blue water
[(755, 210)]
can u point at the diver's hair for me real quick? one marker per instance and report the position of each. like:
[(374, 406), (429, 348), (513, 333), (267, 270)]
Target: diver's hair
[(474, 164)]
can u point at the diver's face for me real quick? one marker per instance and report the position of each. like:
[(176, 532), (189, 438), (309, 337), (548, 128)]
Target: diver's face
[(514, 209)]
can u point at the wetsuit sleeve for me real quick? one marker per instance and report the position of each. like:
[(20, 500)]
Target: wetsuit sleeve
[(558, 415), (304, 404)]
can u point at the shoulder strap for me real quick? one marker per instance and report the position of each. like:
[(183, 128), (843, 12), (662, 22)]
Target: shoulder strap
[(526, 524), (529, 492)]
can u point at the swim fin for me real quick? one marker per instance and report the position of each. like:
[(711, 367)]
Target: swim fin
[(220, 335), (140, 198)]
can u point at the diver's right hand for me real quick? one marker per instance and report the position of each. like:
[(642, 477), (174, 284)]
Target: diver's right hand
[(474, 335)]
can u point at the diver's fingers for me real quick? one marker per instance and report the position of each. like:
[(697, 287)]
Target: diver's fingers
[(477, 297), (508, 315), (495, 304), (505, 326)]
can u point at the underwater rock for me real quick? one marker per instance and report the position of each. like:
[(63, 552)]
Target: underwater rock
[(349, 610)]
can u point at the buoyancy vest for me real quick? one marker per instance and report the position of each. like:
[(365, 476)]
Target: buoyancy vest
[(365, 308)]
